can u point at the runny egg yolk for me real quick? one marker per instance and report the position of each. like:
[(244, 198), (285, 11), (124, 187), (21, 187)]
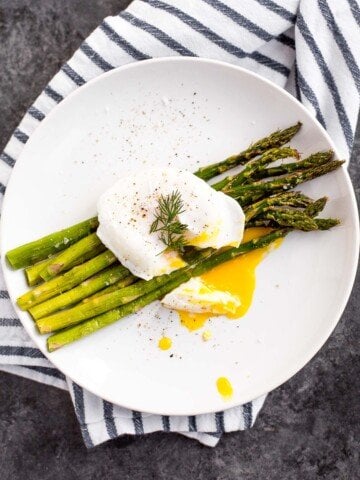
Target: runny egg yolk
[(236, 277)]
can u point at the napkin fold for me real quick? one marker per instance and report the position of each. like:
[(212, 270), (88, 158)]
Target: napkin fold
[(308, 47)]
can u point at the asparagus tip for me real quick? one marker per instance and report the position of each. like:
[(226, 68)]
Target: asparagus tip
[(327, 223)]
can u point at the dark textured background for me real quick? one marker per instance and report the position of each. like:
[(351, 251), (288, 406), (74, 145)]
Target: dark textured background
[(308, 429)]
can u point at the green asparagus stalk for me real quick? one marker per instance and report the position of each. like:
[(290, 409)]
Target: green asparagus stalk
[(32, 273), (286, 217), (251, 168), (125, 282), (276, 139), (66, 281), (246, 194), (33, 252), (86, 288), (292, 199), (261, 217), (315, 159), (101, 304), (272, 215), (70, 255), (172, 281), (321, 223)]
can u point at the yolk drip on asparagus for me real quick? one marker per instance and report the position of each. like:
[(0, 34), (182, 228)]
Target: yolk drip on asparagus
[(236, 277)]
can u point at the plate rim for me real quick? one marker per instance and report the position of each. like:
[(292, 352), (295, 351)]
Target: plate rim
[(298, 365)]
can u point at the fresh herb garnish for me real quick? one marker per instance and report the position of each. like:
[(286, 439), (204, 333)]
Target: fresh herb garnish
[(171, 230)]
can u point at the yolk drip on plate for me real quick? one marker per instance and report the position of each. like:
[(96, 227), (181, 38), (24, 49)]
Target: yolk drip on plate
[(224, 387), (236, 277), (164, 343)]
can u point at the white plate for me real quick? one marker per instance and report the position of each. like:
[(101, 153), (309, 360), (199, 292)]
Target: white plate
[(183, 112)]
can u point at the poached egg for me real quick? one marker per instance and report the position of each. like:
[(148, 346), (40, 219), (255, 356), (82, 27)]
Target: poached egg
[(127, 210)]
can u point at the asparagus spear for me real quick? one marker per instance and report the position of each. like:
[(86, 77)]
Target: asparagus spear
[(251, 168), (32, 273), (70, 255), (263, 218), (86, 288), (290, 218), (267, 213), (321, 223), (101, 304), (276, 139), (172, 281), (125, 282), (66, 281), (40, 249), (318, 158), (292, 199), (246, 194)]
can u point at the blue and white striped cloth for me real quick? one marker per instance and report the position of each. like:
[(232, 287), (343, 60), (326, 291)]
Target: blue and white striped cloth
[(309, 47)]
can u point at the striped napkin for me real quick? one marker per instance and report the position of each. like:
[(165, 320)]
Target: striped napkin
[(309, 47)]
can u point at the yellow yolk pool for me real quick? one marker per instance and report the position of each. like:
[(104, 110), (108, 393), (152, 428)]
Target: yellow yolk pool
[(164, 343), (236, 277), (224, 387)]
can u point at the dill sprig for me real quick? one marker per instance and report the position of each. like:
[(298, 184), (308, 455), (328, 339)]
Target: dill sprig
[(170, 229)]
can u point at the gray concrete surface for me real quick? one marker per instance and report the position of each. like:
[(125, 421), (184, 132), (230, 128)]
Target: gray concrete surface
[(308, 429)]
